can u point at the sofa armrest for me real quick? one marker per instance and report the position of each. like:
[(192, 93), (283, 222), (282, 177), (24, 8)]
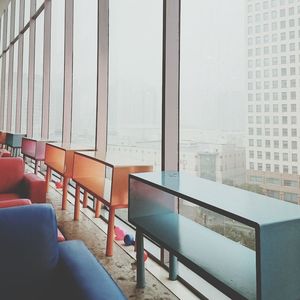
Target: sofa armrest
[(34, 188), (81, 277), (14, 202)]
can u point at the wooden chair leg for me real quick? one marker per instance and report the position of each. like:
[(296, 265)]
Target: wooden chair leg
[(98, 209), (48, 178), (110, 232), (85, 199), (65, 192), (77, 203)]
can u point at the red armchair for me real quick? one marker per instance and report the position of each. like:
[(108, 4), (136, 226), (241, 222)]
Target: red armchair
[(15, 184)]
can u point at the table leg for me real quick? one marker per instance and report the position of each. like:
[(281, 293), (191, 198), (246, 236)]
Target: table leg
[(77, 203), (140, 270), (65, 193), (48, 178), (85, 199), (110, 232), (173, 266)]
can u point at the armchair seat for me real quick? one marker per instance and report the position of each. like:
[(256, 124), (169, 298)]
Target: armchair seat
[(15, 183), (35, 266)]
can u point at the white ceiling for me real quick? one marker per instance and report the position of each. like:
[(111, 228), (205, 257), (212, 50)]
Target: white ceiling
[(3, 5)]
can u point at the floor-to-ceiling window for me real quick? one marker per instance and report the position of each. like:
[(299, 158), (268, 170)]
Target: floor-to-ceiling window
[(38, 76), (14, 87), (84, 73), (135, 81), (25, 81), (57, 70)]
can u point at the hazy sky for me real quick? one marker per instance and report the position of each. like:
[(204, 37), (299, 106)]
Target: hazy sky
[(213, 64)]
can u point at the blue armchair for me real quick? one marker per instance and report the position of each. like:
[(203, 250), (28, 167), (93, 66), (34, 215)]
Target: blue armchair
[(34, 266)]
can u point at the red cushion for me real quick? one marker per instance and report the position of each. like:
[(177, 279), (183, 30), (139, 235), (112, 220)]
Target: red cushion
[(12, 173), (4, 153), (9, 196), (14, 202)]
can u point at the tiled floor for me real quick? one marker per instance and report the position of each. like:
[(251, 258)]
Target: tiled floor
[(120, 266)]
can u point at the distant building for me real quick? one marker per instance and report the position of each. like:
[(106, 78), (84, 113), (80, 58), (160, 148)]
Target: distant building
[(273, 97)]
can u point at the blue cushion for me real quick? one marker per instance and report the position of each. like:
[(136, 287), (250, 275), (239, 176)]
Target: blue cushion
[(28, 252), (82, 277)]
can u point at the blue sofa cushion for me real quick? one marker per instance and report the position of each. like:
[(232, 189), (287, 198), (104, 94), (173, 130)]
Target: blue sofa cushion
[(28, 251), (82, 277)]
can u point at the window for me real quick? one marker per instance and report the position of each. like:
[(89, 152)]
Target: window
[(38, 76), (136, 134), (14, 87), (57, 70), (84, 73), (25, 81)]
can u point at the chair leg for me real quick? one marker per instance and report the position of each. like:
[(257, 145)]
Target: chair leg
[(97, 209), (85, 199), (65, 193), (110, 232), (48, 178), (77, 203)]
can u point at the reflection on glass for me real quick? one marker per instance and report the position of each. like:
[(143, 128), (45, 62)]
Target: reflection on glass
[(84, 73), (135, 80), (38, 76), (57, 70)]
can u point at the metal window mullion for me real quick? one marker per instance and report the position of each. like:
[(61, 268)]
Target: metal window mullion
[(12, 20), (170, 103), (3, 81), (31, 63), (19, 84), (170, 98), (68, 72), (20, 68), (10, 87), (3, 76), (21, 15), (102, 80), (46, 69), (4, 30)]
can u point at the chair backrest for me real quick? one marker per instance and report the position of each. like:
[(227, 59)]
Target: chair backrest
[(11, 173), (28, 251)]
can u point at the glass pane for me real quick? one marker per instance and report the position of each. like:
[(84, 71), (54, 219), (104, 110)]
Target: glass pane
[(57, 70), (39, 3), (17, 17), (38, 77), (239, 102), (25, 82), (26, 11), (14, 91), (84, 73), (135, 80)]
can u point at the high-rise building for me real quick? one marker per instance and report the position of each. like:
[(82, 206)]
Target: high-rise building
[(273, 37)]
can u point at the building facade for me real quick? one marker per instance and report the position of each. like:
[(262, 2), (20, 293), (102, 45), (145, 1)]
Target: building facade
[(273, 40)]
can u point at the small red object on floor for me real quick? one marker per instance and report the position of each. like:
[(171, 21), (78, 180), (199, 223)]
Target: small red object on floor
[(59, 184)]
